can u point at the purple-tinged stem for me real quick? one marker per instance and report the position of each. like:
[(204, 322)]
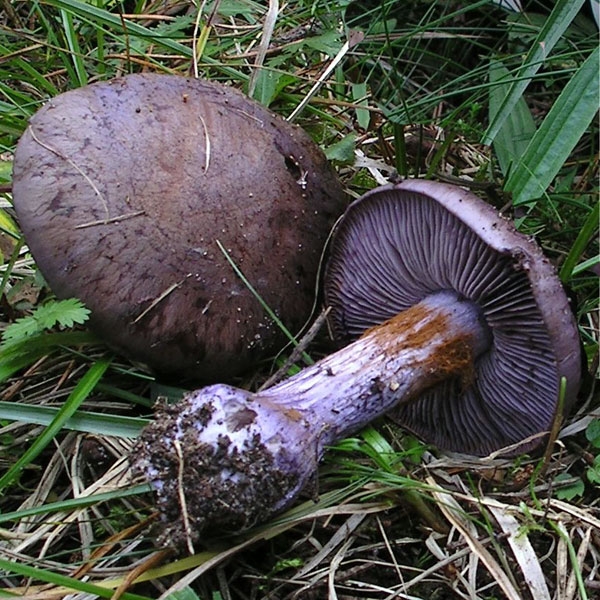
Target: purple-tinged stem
[(224, 458)]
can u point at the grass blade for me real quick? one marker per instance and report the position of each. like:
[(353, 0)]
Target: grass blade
[(583, 237), (77, 396), (559, 19), (75, 50), (69, 583), (519, 127), (74, 503), (21, 354), (88, 422), (100, 17), (558, 134)]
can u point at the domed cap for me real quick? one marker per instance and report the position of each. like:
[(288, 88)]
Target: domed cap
[(124, 190), (400, 243)]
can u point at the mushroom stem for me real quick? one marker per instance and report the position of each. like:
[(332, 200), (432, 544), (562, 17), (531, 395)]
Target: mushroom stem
[(391, 363), (226, 458)]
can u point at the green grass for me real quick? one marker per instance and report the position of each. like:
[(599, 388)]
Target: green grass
[(506, 103)]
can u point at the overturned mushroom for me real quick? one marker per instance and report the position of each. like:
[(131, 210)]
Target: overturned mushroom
[(400, 244), (124, 191), (474, 325)]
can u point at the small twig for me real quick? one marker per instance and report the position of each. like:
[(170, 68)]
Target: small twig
[(206, 144), (265, 40), (355, 38), (156, 301), (298, 350), (555, 429), (127, 44), (113, 220), (184, 512), (152, 561), (74, 165)]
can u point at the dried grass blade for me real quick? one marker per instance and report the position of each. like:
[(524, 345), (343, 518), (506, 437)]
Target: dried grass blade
[(524, 553), (354, 38), (341, 535), (455, 514), (562, 561), (265, 40), (575, 582)]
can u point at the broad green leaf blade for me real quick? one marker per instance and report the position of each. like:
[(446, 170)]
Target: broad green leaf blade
[(342, 151), (7, 223), (360, 94), (78, 395), (559, 19), (89, 422), (184, 594), (558, 134), (269, 84), (519, 127)]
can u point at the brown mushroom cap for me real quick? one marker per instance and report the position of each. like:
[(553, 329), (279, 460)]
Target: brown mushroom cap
[(399, 244), (123, 190)]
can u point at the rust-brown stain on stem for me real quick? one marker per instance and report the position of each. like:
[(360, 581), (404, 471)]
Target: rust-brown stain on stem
[(417, 327)]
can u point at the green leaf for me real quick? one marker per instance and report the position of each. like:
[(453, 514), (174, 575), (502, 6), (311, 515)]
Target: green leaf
[(360, 93), (342, 152), (592, 433), (64, 313), (119, 25), (78, 395), (329, 42), (5, 170), (74, 503), (269, 85), (558, 134), (574, 489), (75, 53), (519, 127), (590, 226), (379, 449), (593, 472), (563, 13), (234, 8), (21, 353), (186, 593), (7, 223)]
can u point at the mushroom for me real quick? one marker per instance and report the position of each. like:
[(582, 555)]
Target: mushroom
[(134, 194), (461, 315), (400, 244)]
